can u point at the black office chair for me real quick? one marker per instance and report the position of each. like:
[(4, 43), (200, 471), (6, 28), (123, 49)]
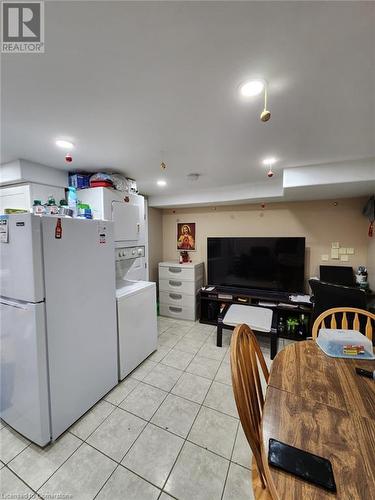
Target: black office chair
[(327, 295)]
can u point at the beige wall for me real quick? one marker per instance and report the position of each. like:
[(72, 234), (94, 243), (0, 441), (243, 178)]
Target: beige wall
[(155, 240), (320, 222)]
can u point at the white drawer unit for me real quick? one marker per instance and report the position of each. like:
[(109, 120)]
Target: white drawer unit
[(177, 272), (178, 312), (175, 299), (178, 288)]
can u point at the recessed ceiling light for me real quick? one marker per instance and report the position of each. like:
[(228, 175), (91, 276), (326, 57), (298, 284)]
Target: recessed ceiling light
[(161, 183), (61, 143), (269, 161), (252, 88)]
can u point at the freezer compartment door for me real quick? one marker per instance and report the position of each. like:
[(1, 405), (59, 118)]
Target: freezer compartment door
[(24, 383), (137, 328), (81, 316), (21, 271)]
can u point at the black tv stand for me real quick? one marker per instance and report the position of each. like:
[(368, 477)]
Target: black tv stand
[(215, 301)]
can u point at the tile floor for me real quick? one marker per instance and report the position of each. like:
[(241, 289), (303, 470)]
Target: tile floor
[(169, 430)]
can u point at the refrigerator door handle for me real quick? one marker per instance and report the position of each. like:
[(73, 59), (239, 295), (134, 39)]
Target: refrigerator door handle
[(10, 303)]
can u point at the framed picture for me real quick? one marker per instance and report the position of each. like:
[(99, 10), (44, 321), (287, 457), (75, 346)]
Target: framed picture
[(186, 236)]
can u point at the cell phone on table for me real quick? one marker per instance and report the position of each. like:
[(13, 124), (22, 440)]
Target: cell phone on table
[(307, 466)]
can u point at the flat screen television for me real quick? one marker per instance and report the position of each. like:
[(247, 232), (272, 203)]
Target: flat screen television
[(276, 264)]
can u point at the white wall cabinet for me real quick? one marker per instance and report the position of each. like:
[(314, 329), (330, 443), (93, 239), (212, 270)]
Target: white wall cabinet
[(22, 196)]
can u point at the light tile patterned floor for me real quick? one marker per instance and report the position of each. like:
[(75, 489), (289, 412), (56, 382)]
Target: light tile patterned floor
[(169, 430)]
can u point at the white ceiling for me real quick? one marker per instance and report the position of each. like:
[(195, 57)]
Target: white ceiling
[(127, 80)]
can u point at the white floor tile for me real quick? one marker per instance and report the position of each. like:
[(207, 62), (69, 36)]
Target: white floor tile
[(197, 335), (227, 356), (162, 329), (117, 433), (220, 397), (92, 419), (12, 487), (169, 338), (35, 465), (176, 415), (224, 374), (177, 359), (164, 496), (238, 485), (212, 351), (143, 369), (119, 393), (180, 328), (198, 474), (144, 400), (11, 444), (123, 484), (215, 431), (204, 329), (226, 338), (204, 367), (153, 454), (189, 345), (242, 453), (81, 476), (192, 387), (163, 376), (159, 354)]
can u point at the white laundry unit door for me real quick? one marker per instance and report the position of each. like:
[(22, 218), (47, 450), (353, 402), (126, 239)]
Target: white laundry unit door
[(137, 325), (127, 220)]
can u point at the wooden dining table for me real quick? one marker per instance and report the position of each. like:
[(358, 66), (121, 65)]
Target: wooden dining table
[(319, 404)]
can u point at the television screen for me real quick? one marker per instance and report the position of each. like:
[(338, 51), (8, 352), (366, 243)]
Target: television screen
[(276, 264)]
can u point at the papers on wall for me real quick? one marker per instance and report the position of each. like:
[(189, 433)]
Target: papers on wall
[(334, 253)]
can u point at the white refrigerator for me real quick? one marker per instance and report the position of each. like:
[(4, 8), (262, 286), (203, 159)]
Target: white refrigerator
[(58, 338)]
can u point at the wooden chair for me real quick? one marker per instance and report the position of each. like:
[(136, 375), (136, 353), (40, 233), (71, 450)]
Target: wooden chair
[(362, 320), (246, 357)]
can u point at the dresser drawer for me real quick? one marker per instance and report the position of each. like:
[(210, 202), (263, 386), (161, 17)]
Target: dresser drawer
[(177, 312), (177, 299), (176, 273), (178, 286)]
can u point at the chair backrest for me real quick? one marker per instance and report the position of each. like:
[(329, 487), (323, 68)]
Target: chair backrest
[(327, 295), (245, 357), (345, 318)]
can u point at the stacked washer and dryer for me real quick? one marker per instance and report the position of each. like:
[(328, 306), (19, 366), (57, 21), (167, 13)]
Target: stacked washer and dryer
[(135, 295)]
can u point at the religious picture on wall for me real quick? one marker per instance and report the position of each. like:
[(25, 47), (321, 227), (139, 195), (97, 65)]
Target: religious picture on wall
[(186, 236)]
